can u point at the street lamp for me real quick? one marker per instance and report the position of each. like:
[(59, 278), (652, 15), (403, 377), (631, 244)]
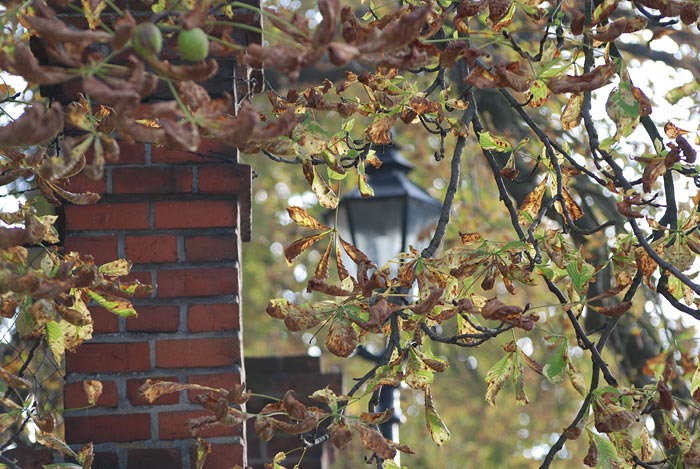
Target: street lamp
[(396, 216), (399, 215)]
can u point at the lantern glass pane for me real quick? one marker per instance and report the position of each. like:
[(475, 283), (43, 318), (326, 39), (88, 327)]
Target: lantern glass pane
[(421, 221), (377, 226)]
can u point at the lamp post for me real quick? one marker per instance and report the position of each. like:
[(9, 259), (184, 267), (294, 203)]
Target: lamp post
[(382, 226)]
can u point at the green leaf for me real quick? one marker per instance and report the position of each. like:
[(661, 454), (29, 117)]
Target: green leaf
[(608, 457), (555, 368), (55, 339), (623, 109), (488, 141), (580, 276), (418, 375), (113, 304), (365, 189), (680, 92), (695, 381), (538, 93), (496, 376), (438, 430)]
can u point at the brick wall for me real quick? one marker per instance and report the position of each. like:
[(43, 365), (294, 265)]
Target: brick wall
[(273, 376), (177, 216)]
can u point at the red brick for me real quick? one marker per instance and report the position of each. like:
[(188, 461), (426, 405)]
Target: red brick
[(81, 183), (222, 456), (211, 248), (107, 428), (173, 426), (133, 385), (197, 282), (151, 249), (102, 248), (74, 395), (188, 353), (196, 214), (162, 155), (130, 153), (219, 380), (103, 321), (224, 179), (155, 319), (153, 458), (105, 460), (151, 180), (213, 317), (206, 147), (109, 357), (106, 216)]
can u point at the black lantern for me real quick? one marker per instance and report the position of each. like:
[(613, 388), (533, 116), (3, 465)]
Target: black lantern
[(399, 215)]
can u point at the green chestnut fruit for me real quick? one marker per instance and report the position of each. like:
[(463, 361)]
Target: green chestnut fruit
[(193, 44), (147, 40)]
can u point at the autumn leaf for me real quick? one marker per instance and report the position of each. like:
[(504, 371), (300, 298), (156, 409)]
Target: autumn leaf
[(673, 131), (532, 203), (293, 251), (375, 442), (302, 218), (488, 141), (151, 390), (571, 115), (119, 306), (340, 433), (93, 390), (342, 337), (497, 376), (615, 29), (436, 426), (596, 78), (379, 131), (36, 125)]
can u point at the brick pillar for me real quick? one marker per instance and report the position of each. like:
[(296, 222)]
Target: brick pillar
[(177, 216)]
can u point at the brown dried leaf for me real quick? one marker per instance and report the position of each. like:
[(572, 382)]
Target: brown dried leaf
[(319, 285), (673, 131), (355, 254), (596, 78), (612, 31), (375, 442), (612, 311), (264, 428), (299, 318), (376, 418), (340, 433), (402, 29), (379, 131), (37, 125), (302, 218), (13, 381), (293, 251), (152, 390), (342, 338)]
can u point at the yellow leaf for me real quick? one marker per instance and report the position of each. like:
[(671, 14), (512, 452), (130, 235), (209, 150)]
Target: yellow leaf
[(302, 218), (293, 251), (571, 115), (92, 10), (532, 203), (93, 390)]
